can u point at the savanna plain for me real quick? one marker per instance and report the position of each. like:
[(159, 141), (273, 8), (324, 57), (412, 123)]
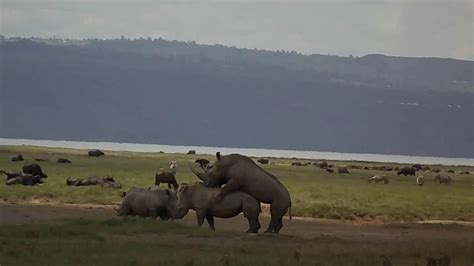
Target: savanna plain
[(338, 219)]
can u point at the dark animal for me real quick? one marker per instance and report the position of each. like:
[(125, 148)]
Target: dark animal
[(263, 161), (203, 200), (95, 153), (17, 158), (240, 173), (425, 168), (417, 166), (191, 152), (323, 165), (203, 163), (34, 169), (148, 203), (330, 170), (342, 170), (443, 179), (296, 164), (63, 160), (366, 168), (450, 171), (407, 171), (25, 180), (436, 170), (10, 174), (353, 166), (41, 160), (330, 165), (166, 177), (464, 172), (378, 178), (106, 181)]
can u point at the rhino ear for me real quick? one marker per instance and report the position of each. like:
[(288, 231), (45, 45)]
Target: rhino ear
[(218, 155)]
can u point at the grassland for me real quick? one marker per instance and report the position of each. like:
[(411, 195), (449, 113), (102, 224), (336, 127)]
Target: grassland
[(315, 193), (136, 241)]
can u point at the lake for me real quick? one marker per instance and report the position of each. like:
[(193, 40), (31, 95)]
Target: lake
[(114, 146)]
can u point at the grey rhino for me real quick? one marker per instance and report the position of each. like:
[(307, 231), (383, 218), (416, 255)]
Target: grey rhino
[(241, 173), (148, 203), (203, 200), (25, 180)]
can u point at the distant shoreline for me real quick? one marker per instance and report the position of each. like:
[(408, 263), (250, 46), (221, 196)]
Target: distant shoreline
[(275, 153)]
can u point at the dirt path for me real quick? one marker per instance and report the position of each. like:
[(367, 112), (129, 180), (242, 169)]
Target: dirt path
[(14, 213)]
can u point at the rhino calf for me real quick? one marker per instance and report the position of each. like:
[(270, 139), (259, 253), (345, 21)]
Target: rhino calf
[(203, 200), (148, 203)]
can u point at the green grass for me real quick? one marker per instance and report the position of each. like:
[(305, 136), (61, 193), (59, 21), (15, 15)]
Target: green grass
[(315, 193), (136, 241)]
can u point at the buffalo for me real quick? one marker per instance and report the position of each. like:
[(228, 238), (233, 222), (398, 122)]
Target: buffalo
[(10, 174), (17, 158), (63, 160), (407, 171), (190, 152), (329, 170), (263, 161), (95, 153), (106, 181), (25, 180), (203, 163), (34, 169), (342, 170), (417, 166)]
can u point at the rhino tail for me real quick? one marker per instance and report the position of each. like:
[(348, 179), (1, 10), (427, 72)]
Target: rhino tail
[(289, 211)]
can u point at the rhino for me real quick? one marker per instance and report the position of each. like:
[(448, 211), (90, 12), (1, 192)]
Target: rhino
[(203, 200), (240, 173), (148, 203), (34, 169), (25, 180)]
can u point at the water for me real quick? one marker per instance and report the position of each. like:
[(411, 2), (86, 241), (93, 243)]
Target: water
[(114, 146)]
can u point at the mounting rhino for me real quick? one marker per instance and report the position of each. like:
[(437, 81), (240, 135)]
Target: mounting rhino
[(240, 173)]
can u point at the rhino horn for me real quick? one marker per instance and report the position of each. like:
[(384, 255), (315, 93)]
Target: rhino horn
[(199, 175)]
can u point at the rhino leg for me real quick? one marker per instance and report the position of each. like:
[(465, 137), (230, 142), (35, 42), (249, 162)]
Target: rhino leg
[(200, 217), (254, 224), (278, 226), (210, 221)]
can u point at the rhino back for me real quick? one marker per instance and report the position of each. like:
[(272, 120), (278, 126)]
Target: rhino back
[(255, 181)]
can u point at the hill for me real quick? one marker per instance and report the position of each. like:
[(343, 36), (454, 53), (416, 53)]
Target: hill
[(169, 92)]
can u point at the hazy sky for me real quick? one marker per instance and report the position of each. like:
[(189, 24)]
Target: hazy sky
[(404, 27)]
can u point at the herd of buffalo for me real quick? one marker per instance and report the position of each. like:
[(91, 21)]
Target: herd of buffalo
[(234, 184)]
